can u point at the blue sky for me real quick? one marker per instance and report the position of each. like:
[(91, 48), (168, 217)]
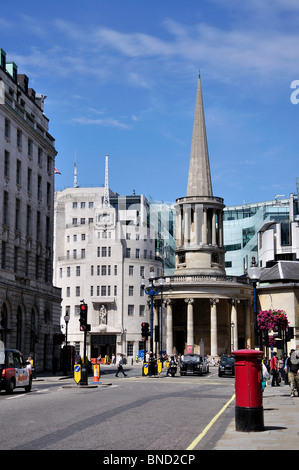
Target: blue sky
[(121, 76)]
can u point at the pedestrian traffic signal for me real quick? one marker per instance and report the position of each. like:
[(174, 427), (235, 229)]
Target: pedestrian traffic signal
[(144, 330), (83, 317)]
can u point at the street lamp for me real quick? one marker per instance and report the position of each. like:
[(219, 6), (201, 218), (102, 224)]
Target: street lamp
[(152, 291), (232, 326), (254, 273), (66, 319)]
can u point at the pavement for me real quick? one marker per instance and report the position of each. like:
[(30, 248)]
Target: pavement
[(281, 419), (281, 424)]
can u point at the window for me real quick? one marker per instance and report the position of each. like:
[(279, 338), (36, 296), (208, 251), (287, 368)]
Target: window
[(19, 138), (77, 291), (39, 187), (104, 270), (82, 253), (30, 147), (103, 291), (7, 128), (115, 290), (68, 271), (104, 251), (29, 180), (5, 208), (28, 221), (39, 155), (130, 348), (131, 270), (131, 291), (38, 224), (141, 310), (115, 270), (48, 193), (6, 163), (78, 270), (17, 214), (18, 172), (130, 310)]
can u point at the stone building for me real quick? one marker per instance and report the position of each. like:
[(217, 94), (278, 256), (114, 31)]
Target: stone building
[(29, 303), (206, 311), (103, 247)]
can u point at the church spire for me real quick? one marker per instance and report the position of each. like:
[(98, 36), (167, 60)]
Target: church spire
[(199, 180)]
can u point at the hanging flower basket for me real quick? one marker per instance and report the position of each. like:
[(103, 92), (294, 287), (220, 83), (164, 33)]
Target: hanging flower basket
[(271, 319)]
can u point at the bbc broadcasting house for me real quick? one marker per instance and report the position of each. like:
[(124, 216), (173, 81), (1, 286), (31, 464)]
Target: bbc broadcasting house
[(104, 245)]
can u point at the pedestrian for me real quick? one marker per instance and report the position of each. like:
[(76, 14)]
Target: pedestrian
[(274, 370), (265, 375), (292, 369), (78, 358), (120, 367)]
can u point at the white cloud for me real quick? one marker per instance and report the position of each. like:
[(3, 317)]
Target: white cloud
[(105, 122)]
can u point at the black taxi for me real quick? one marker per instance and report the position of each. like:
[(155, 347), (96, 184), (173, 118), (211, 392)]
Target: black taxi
[(194, 364)]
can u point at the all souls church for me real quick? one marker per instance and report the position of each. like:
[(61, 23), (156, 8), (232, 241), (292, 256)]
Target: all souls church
[(205, 311)]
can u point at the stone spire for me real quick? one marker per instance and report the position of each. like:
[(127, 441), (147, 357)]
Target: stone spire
[(199, 180)]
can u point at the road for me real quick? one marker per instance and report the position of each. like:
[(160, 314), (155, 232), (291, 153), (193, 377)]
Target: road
[(133, 413)]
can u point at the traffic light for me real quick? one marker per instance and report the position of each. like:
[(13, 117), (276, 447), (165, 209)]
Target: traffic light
[(83, 317), (144, 330)]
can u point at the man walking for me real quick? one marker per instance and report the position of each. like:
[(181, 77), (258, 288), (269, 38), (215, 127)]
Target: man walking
[(292, 368), (120, 366)]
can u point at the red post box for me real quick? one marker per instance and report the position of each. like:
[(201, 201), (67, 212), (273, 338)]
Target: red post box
[(249, 413)]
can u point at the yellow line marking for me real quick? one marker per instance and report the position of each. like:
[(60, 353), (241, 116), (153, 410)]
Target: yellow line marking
[(206, 429)]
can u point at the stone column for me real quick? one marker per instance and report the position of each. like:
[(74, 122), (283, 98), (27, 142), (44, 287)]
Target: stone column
[(205, 227), (190, 326), (187, 223), (214, 348), (214, 242), (234, 323), (169, 331), (179, 226)]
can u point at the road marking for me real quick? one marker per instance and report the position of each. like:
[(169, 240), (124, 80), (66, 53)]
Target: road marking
[(206, 429)]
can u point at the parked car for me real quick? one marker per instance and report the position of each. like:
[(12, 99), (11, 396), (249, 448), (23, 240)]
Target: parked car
[(194, 364), (226, 366), (14, 371)]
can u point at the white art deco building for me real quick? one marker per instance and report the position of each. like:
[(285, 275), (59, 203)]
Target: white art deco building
[(103, 246)]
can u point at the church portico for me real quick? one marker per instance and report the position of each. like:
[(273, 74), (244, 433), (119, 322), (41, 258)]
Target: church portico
[(210, 322)]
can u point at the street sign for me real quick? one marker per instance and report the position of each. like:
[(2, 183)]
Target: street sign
[(77, 373)]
